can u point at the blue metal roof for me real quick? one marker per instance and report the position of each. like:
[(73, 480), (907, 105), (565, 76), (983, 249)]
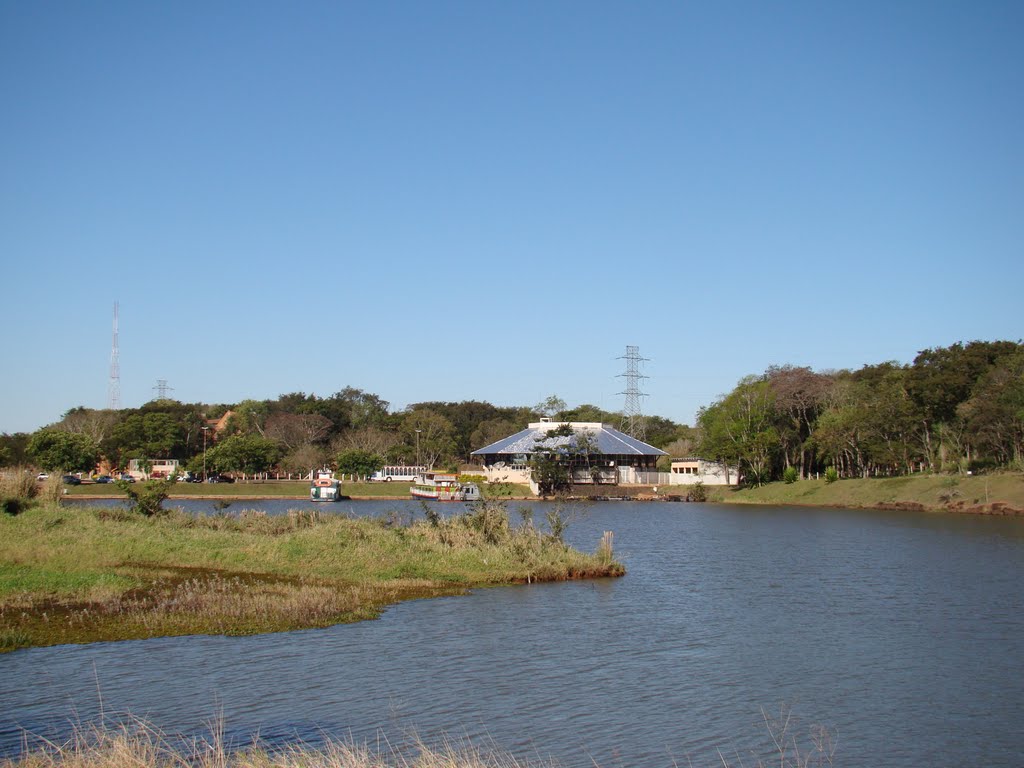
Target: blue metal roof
[(608, 439)]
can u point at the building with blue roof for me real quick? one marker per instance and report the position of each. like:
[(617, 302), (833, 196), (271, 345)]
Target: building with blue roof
[(602, 454)]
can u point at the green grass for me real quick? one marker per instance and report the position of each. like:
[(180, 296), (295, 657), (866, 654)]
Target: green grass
[(981, 494), (72, 575)]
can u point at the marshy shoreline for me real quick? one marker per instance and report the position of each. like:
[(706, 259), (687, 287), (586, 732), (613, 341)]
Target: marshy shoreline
[(78, 575), (993, 494)]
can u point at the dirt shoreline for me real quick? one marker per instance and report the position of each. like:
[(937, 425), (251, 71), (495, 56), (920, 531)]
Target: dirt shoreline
[(996, 508)]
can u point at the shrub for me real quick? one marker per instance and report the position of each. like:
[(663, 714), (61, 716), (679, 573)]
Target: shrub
[(556, 522), (148, 500), (981, 466), (698, 492), (790, 475), (11, 505), (499, 490), (490, 519), (831, 475)]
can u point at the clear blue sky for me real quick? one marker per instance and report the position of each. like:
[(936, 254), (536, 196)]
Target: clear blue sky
[(490, 200)]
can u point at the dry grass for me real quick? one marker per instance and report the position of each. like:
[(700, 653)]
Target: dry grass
[(134, 744), (18, 483)]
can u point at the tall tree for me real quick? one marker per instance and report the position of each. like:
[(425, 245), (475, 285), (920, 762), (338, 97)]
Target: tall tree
[(369, 438), (739, 429), (243, 453), (359, 463), (13, 449), (994, 414), (296, 429), (430, 434), (146, 435), (941, 379), (799, 394), (54, 449), (92, 423)]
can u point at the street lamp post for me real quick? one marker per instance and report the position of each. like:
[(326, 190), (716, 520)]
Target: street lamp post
[(205, 430)]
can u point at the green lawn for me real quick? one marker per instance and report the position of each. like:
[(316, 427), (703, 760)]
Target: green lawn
[(931, 492)]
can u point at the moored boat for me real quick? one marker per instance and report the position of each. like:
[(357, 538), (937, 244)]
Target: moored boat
[(324, 486), (440, 486)]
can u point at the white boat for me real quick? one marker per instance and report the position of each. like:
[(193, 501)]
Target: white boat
[(442, 486), (324, 486)]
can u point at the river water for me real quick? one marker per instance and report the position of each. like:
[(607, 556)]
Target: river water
[(901, 633)]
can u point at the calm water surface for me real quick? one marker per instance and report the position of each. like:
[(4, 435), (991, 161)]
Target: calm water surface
[(902, 633)]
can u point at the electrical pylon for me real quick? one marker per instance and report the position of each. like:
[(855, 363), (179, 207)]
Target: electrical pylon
[(162, 389), (632, 414), (114, 384)]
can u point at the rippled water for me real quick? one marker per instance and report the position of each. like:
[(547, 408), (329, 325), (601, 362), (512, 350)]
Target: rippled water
[(902, 633)]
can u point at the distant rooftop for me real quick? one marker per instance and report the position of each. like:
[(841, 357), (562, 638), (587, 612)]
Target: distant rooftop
[(608, 440)]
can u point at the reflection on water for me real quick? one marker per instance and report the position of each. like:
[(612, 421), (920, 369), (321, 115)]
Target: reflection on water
[(877, 625)]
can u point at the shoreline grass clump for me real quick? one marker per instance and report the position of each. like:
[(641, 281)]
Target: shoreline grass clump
[(133, 743), (129, 742), (83, 575)]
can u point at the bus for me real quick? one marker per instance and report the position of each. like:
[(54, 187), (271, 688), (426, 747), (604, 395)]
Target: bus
[(401, 474)]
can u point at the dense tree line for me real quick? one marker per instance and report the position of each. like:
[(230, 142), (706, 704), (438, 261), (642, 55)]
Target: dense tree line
[(352, 431), (954, 409)]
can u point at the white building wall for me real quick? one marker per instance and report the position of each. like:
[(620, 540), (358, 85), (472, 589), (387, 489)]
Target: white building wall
[(693, 471), (507, 474)]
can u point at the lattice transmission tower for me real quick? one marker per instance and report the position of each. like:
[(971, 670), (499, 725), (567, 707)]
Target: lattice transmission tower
[(114, 384), (632, 414), (162, 389)]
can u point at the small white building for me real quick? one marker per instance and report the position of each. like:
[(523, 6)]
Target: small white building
[(690, 471), (159, 469)]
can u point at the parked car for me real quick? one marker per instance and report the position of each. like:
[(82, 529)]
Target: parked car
[(70, 480), (104, 479), (42, 476), (220, 479), (127, 477)]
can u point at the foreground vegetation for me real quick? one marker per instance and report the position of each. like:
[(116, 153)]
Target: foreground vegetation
[(70, 575), (993, 494), (132, 743)]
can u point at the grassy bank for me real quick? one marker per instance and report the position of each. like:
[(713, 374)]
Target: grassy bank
[(282, 489), (984, 494), (70, 575)]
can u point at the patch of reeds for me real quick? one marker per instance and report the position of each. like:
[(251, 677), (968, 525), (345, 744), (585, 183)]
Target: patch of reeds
[(133, 743), (202, 602), (18, 483), (255, 521), (51, 489), (136, 744)]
